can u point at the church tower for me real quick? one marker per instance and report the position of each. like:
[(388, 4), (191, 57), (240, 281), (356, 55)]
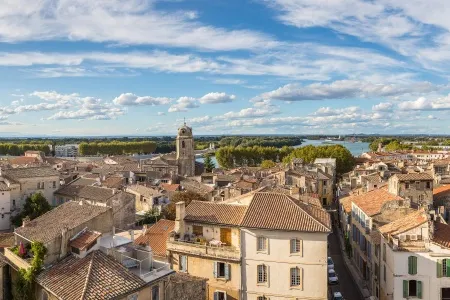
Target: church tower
[(185, 151)]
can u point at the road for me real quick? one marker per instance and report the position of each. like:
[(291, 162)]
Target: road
[(346, 285)]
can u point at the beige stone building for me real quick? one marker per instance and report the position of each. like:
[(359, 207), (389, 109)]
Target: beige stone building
[(24, 182), (207, 244), (417, 187)]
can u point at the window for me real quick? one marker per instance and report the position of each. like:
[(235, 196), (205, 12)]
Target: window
[(384, 252), (54, 184), (262, 274), (384, 273), (155, 292), (262, 298), (443, 268), (428, 185), (412, 288), (261, 244), (296, 246), (183, 144), (38, 185), (220, 296), (197, 230), (412, 265), (295, 276), (14, 202), (75, 250), (407, 185), (222, 270), (183, 263)]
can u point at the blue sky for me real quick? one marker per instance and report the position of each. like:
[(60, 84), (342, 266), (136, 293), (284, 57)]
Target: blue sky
[(138, 67)]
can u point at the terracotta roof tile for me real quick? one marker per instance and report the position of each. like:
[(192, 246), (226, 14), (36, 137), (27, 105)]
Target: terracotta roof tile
[(23, 160), (143, 190), (346, 203), (68, 215), (414, 176), (441, 191), (156, 236), (441, 234), (372, 202), (281, 212), (170, 187), (85, 239), (405, 223), (6, 239), (30, 172), (114, 182), (215, 213), (96, 276)]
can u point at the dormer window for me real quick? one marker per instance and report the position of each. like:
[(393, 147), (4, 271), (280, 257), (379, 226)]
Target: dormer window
[(84, 241)]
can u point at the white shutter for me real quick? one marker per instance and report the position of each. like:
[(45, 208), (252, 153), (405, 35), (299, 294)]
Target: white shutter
[(227, 271), (215, 270)]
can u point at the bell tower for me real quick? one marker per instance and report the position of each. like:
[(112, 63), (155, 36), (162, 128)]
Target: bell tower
[(185, 151)]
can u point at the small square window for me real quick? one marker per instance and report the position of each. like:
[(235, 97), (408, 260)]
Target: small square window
[(261, 244)]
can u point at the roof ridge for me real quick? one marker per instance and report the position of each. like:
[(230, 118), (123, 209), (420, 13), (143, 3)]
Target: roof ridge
[(91, 262), (309, 214)]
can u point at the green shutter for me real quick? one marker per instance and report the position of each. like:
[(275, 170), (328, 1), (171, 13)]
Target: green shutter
[(405, 288), (409, 265), (439, 268), (414, 265), (419, 289), (448, 267)]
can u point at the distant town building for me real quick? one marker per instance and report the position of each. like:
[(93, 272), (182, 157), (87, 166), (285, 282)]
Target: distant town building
[(68, 150)]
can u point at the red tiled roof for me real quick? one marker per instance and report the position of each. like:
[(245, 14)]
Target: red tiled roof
[(406, 223), (156, 236), (281, 212), (85, 239), (215, 213), (170, 187), (441, 234), (372, 202), (97, 276), (414, 176), (23, 160), (442, 190)]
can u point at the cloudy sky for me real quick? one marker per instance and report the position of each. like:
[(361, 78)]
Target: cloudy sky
[(138, 67)]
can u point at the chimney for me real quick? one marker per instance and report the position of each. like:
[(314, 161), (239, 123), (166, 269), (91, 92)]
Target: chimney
[(131, 232), (179, 219), (64, 242)]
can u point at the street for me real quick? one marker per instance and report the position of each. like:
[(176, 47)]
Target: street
[(346, 284)]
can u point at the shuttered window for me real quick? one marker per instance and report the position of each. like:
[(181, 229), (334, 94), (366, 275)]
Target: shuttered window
[(296, 246), (443, 268), (412, 288), (262, 274), (222, 270), (412, 265)]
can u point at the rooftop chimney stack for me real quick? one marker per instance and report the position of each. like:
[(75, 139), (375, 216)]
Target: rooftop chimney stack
[(179, 219)]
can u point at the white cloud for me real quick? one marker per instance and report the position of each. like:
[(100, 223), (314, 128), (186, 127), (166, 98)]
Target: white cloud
[(383, 106), (423, 103), (213, 98), (130, 99), (122, 22), (183, 104), (250, 112), (328, 111), (343, 89), (161, 113), (54, 96)]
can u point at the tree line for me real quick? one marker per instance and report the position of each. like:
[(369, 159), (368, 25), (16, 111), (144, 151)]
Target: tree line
[(19, 149), (117, 148), (265, 141), (231, 157), (344, 159)]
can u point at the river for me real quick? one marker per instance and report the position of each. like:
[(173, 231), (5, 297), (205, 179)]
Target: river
[(356, 148)]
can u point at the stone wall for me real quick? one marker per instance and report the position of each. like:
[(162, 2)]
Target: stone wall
[(185, 287)]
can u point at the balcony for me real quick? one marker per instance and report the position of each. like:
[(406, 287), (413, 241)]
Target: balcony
[(21, 263), (224, 252)]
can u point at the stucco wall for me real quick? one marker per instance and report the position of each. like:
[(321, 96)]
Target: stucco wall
[(204, 267), (279, 260)]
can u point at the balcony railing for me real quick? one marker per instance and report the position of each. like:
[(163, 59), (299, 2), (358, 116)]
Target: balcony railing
[(16, 260), (225, 252)]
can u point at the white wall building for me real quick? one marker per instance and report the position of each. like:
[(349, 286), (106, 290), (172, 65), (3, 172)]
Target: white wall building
[(5, 206), (415, 259), (68, 150), (283, 258)]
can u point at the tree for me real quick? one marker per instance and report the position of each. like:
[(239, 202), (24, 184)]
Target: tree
[(35, 206), (267, 164), (208, 162), (169, 211)]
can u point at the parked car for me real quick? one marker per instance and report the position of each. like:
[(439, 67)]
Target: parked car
[(332, 277), (337, 296), (330, 263)]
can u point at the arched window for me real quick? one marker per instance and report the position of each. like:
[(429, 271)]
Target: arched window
[(182, 144)]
